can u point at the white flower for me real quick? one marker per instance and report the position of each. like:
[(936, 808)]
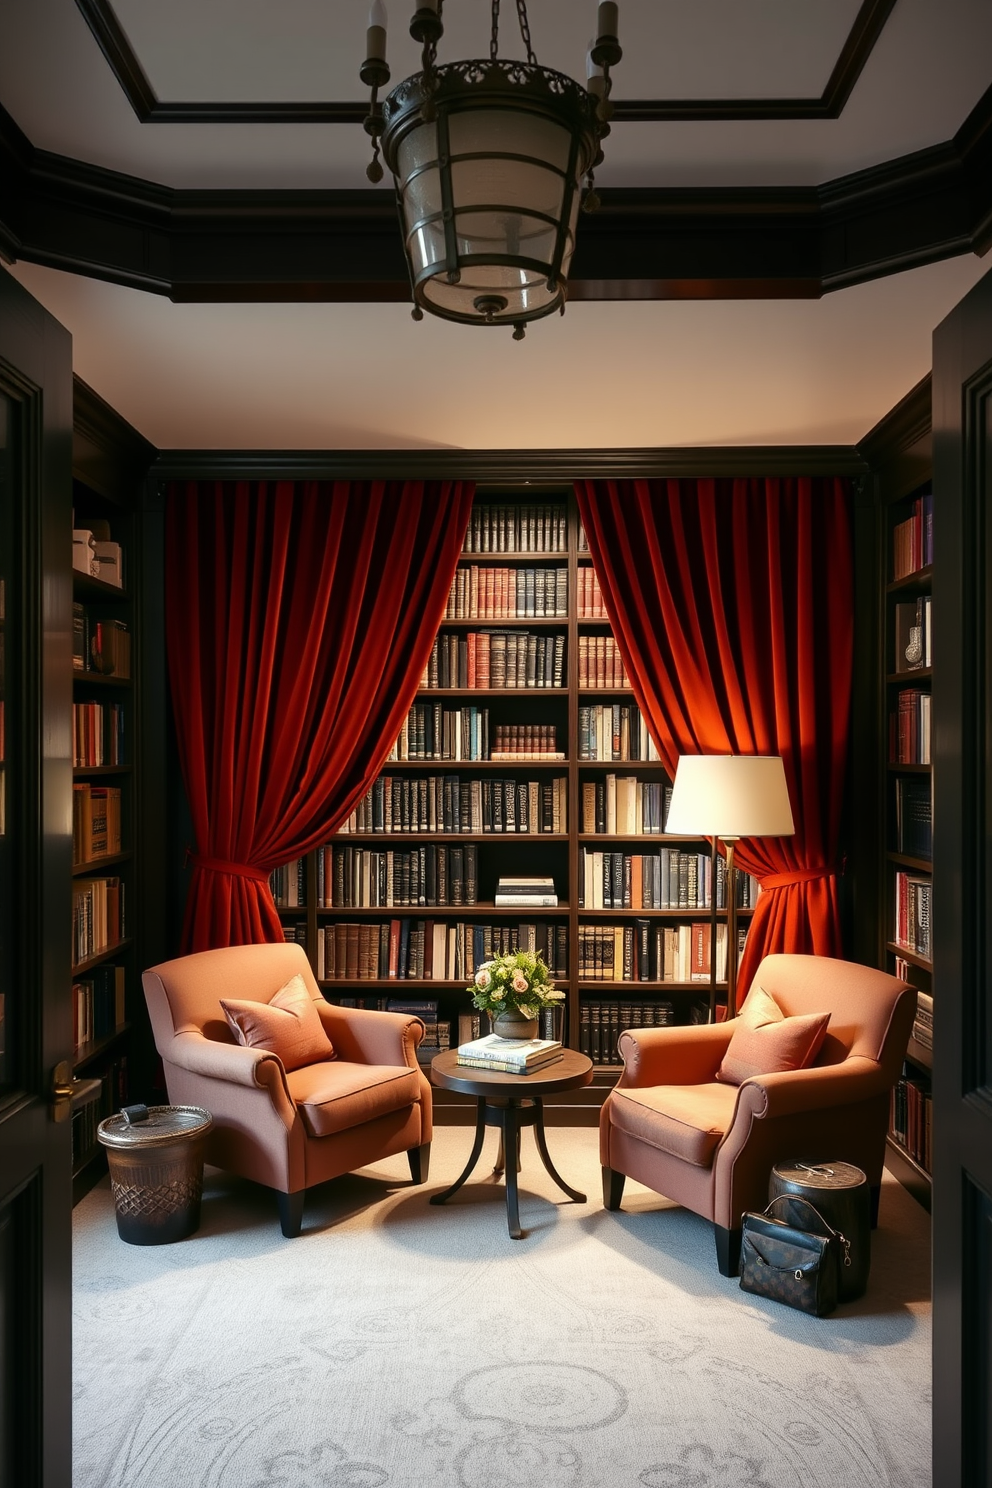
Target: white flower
[(482, 977), (497, 994)]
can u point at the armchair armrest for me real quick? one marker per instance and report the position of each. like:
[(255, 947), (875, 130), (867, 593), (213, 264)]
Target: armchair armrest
[(363, 1036), (256, 1069), (673, 1056), (792, 1091)]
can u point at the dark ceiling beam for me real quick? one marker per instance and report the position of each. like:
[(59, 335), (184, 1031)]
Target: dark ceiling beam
[(508, 467), (123, 61), (345, 245)]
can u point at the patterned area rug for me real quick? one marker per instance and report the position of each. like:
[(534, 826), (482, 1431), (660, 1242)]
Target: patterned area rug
[(399, 1344)]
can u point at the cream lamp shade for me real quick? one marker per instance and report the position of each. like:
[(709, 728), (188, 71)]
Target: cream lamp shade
[(729, 796)]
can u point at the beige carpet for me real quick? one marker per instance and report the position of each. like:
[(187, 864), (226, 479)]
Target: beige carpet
[(398, 1344)]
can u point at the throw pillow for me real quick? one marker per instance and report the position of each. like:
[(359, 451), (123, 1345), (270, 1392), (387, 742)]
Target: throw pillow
[(765, 1041), (288, 1026)]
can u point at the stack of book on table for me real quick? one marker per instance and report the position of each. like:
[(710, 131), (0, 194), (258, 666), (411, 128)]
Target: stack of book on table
[(510, 1056), (526, 893)]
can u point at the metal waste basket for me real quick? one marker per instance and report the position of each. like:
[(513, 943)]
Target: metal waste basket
[(155, 1156)]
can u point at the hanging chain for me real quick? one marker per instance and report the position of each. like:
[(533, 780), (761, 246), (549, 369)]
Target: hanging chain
[(525, 31)]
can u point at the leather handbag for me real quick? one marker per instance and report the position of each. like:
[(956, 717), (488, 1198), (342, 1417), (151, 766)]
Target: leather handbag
[(798, 1267)]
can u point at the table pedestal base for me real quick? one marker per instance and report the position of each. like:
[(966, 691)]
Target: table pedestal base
[(510, 1115)]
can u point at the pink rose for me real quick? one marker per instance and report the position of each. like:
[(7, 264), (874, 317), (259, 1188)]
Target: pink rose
[(520, 982)]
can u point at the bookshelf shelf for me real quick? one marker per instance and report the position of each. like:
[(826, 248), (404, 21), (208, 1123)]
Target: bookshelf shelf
[(896, 948), (87, 772), (93, 867), (920, 579), (96, 1048), (100, 679), (903, 679), (108, 953), (921, 865)]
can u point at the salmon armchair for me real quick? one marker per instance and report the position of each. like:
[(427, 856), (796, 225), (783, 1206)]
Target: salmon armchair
[(288, 1130), (710, 1146)]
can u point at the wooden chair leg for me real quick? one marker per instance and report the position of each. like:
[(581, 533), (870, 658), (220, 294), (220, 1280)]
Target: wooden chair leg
[(420, 1162), (290, 1213), (728, 1250), (613, 1183)]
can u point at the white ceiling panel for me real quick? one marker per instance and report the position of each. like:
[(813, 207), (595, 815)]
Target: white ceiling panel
[(664, 373)]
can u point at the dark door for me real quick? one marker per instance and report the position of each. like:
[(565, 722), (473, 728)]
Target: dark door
[(962, 911), (35, 868)]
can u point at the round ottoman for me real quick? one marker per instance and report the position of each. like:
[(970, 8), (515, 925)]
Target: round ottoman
[(840, 1192)]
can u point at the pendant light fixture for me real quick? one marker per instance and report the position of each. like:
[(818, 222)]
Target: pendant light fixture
[(489, 159)]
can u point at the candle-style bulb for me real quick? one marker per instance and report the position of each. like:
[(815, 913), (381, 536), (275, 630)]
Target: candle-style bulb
[(377, 14), (375, 37), (607, 20)]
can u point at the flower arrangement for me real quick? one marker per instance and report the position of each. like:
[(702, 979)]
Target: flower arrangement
[(517, 981)]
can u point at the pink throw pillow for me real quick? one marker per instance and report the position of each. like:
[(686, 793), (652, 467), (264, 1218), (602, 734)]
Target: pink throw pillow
[(765, 1041), (288, 1026)]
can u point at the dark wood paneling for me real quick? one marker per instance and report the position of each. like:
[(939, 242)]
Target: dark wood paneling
[(108, 455), (962, 875), (519, 467), (113, 41), (345, 245)]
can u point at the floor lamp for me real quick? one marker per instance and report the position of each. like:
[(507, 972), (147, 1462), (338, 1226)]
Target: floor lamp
[(728, 796)]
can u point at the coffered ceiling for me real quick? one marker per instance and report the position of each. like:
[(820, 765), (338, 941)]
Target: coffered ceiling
[(813, 181)]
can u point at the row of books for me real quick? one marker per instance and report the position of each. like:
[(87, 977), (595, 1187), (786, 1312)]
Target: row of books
[(432, 950), (644, 951), (590, 604), (913, 904), (431, 732), (99, 645), (669, 878), (360, 878), (601, 1024), (600, 663), (491, 660), (97, 916), (911, 1118), (97, 1005), (454, 803), (289, 884), (923, 1021), (614, 731), (96, 821), (514, 891), (503, 528), (912, 539), (112, 1095), (475, 1025), (914, 816), (913, 631), (526, 741), (485, 592), (97, 734), (623, 806), (909, 728)]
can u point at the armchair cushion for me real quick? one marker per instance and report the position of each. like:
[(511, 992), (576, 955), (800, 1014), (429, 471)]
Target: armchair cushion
[(764, 1041), (288, 1026), (334, 1096), (687, 1121)]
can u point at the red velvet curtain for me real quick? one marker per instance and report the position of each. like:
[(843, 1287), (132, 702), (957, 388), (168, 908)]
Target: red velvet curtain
[(300, 617), (732, 606)]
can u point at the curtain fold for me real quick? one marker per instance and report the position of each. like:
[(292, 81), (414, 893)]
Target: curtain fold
[(299, 620), (732, 605)]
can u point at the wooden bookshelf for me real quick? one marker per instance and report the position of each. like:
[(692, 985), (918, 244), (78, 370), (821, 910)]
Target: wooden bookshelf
[(558, 853), (907, 861)]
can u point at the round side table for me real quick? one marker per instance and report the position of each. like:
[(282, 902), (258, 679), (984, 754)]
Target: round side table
[(510, 1102)]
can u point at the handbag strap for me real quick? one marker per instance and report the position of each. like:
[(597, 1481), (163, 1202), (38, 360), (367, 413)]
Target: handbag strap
[(836, 1234)]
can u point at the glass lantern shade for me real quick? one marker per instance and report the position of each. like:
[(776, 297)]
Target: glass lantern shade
[(489, 187)]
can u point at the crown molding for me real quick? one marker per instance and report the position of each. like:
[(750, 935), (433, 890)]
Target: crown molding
[(537, 468), (796, 242), (904, 426), (108, 453), (123, 61)]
